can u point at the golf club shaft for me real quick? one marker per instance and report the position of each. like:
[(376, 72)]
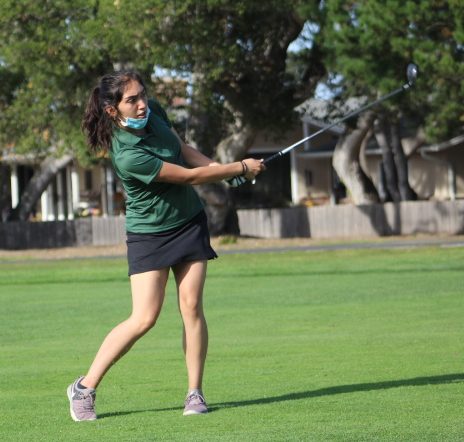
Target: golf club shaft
[(351, 114)]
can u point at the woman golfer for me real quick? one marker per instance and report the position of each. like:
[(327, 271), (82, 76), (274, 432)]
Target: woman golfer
[(165, 222)]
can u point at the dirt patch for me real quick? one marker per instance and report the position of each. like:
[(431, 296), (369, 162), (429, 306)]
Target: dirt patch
[(218, 243)]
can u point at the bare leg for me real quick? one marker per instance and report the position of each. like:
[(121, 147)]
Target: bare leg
[(148, 291), (190, 279)]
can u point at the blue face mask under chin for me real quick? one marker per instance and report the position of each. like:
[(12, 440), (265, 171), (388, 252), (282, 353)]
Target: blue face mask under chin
[(136, 123)]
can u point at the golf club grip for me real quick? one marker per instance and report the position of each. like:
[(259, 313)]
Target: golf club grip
[(272, 158)]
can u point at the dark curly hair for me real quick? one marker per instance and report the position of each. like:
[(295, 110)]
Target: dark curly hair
[(97, 125)]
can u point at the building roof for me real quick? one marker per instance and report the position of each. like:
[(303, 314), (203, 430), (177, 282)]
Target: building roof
[(321, 113)]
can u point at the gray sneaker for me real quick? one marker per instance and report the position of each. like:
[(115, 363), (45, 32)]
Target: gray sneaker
[(81, 402), (195, 404)]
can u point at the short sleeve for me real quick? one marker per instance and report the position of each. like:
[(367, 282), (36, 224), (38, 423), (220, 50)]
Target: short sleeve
[(159, 111), (139, 164)]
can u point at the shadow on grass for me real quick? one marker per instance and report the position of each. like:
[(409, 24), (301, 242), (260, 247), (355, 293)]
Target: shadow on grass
[(329, 391)]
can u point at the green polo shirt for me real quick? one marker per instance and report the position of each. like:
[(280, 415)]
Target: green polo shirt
[(152, 207)]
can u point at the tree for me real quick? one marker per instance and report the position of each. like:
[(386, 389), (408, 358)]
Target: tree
[(370, 43), (347, 165), (51, 64), (235, 52), (53, 53), (8, 80)]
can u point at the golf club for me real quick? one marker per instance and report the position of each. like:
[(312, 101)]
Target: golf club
[(411, 73)]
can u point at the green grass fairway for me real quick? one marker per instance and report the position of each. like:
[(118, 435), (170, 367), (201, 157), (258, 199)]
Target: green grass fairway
[(362, 345)]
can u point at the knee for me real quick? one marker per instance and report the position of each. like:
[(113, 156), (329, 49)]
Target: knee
[(142, 325), (191, 306)]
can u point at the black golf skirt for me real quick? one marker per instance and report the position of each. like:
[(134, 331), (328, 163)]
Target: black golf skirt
[(154, 251)]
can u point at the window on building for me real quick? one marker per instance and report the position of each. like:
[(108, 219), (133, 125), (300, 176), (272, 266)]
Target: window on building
[(272, 187), (88, 180), (308, 175)]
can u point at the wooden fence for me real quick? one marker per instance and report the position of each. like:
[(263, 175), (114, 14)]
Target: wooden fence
[(344, 221), (80, 232)]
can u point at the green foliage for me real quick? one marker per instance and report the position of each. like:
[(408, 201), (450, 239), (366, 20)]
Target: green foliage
[(56, 50), (237, 51), (44, 51), (343, 346), (371, 42)]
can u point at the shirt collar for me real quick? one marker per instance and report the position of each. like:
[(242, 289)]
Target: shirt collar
[(126, 137)]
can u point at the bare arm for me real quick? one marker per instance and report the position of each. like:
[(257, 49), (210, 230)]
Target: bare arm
[(201, 173), (172, 173)]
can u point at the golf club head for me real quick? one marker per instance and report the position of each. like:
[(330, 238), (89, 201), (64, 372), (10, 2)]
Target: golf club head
[(411, 72)]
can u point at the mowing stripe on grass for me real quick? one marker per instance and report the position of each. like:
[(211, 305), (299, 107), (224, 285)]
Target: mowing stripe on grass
[(340, 345)]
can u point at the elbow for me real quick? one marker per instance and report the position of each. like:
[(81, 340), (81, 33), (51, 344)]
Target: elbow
[(195, 181), (200, 175), (192, 178), (181, 175)]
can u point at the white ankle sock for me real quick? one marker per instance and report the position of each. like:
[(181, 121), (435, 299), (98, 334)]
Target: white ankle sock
[(196, 391)]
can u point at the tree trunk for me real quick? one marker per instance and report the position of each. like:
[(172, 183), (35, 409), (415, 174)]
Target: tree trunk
[(222, 216), (235, 146), (394, 160), (38, 183), (381, 130), (347, 164), (4, 200), (382, 183), (401, 163)]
